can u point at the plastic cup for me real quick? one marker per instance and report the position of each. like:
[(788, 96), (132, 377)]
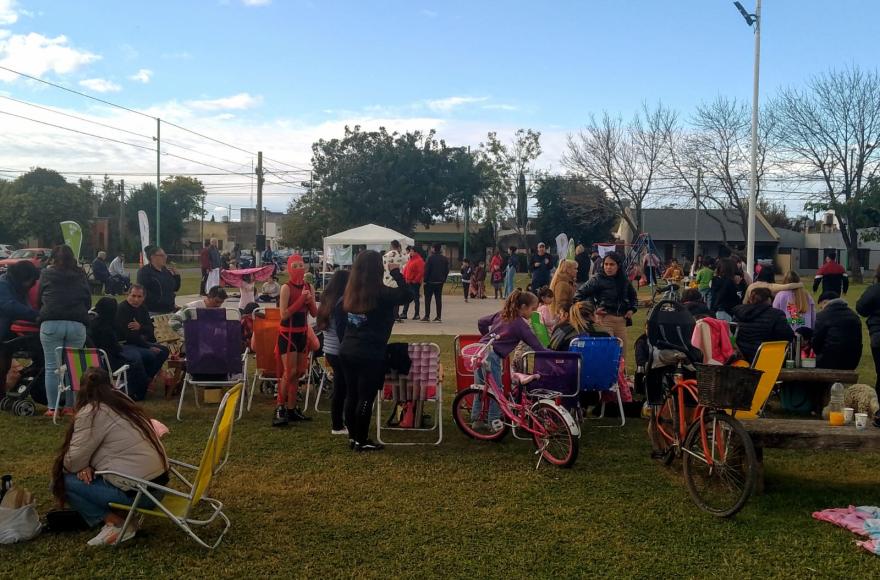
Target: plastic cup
[(848, 413), (861, 420)]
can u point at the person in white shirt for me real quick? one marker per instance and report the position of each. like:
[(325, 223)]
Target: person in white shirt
[(117, 266), (215, 299)]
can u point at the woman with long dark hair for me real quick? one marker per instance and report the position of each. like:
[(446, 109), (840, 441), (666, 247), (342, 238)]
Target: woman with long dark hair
[(613, 295), (110, 433), (331, 320), (371, 308), (65, 299), (725, 291)]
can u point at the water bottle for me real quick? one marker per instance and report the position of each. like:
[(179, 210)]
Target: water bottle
[(835, 406)]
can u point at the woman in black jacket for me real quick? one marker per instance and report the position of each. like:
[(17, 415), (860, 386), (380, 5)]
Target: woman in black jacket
[(65, 299), (869, 307), (759, 322), (160, 282), (725, 293), (613, 295), (371, 308)]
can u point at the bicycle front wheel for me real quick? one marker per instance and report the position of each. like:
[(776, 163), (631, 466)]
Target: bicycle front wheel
[(721, 473), (558, 445), (470, 411)]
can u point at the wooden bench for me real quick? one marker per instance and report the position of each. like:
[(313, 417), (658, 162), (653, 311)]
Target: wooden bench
[(807, 434), (818, 376)]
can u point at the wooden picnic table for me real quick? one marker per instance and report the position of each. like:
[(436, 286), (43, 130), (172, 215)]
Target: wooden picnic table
[(807, 434), (818, 376)]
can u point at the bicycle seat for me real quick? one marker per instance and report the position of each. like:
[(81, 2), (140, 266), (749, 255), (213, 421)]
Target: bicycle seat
[(523, 378)]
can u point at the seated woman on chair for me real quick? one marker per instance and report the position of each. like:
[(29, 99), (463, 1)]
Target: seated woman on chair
[(759, 322), (579, 321), (109, 433), (102, 334)]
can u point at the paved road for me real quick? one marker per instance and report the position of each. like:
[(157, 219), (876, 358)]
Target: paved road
[(458, 317)]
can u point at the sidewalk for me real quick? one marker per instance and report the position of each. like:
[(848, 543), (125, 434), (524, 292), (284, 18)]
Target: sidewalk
[(458, 317)]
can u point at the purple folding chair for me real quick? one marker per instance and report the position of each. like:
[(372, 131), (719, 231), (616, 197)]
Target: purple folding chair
[(558, 376), (214, 360)]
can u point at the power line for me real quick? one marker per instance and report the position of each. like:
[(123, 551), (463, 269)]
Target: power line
[(51, 110), (77, 130), (75, 92)]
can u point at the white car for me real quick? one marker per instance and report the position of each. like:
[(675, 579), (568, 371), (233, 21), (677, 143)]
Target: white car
[(6, 250)]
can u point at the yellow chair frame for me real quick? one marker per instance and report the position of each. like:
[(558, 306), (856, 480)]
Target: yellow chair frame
[(769, 359), (176, 505)]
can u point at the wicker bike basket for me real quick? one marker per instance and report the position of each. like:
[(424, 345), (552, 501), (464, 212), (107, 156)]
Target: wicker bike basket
[(726, 387)]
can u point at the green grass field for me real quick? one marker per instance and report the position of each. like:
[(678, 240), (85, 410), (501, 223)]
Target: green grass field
[(303, 505)]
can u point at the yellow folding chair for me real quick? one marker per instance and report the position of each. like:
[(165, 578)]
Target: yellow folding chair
[(176, 505), (769, 359)]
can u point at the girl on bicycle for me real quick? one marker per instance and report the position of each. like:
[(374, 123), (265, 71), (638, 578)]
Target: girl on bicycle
[(509, 327)]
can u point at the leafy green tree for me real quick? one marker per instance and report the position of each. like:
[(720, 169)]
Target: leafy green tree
[(390, 179), (571, 205), (180, 200), (34, 204)]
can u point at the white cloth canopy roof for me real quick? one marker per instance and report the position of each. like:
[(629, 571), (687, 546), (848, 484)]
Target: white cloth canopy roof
[(373, 236), (368, 235)]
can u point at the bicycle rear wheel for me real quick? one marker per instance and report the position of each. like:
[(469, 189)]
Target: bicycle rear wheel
[(723, 487), (476, 425), (557, 445), (662, 417)]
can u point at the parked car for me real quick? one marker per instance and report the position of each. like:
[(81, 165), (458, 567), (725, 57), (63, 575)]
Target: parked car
[(6, 250), (38, 256)]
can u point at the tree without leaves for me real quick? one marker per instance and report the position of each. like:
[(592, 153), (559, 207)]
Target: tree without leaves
[(623, 159), (718, 143), (831, 133)]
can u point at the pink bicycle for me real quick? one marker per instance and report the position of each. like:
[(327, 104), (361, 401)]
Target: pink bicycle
[(537, 412)]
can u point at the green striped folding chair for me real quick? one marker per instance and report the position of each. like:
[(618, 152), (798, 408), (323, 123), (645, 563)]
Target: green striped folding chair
[(73, 362)]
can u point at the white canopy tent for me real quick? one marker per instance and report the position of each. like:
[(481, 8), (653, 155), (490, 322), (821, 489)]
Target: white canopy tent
[(372, 236)]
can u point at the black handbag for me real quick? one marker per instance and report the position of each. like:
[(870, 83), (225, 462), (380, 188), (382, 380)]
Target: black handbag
[(64, 520)]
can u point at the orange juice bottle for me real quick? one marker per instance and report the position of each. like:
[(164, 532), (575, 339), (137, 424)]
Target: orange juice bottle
[(835, 405)]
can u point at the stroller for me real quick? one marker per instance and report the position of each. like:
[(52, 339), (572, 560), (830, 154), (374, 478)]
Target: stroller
[(666, 344), (25, 348)]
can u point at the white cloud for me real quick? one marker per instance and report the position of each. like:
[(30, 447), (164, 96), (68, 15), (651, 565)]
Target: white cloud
[(8, 13), (237, 102), (501, 107), (449, 103), (429, 13), (100, 85), (256, 2), (36, 55), (143, 75)]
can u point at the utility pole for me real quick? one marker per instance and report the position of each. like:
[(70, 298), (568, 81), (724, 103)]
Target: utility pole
[(467, 220), (158, 171), (121, 215), (755, 21), (202, 226), (261, 238), (697, 215)]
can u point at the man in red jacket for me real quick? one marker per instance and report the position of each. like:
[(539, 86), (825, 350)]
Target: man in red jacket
[(413, 273), (832, 276)]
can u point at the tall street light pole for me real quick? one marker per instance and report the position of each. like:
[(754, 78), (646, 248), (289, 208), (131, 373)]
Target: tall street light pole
[(753, 20)]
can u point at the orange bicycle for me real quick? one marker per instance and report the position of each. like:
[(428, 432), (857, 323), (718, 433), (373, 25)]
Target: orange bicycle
[(718, 458)]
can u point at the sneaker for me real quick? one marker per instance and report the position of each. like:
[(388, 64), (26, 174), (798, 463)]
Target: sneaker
[(368, 445), (426, 319), (480, 426), (400, 320), (437, 320), (343, 431), (351, 444), (280, 419), (109, 534), (297, 415), (49, 413)]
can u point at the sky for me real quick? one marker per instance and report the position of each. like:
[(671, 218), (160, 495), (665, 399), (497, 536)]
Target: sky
[(277, 75)]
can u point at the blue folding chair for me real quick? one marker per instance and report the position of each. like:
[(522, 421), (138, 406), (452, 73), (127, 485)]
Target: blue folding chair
[(600, 366)]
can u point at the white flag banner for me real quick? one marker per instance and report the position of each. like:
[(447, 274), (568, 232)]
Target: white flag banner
[(562, 246), (144, 225)]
